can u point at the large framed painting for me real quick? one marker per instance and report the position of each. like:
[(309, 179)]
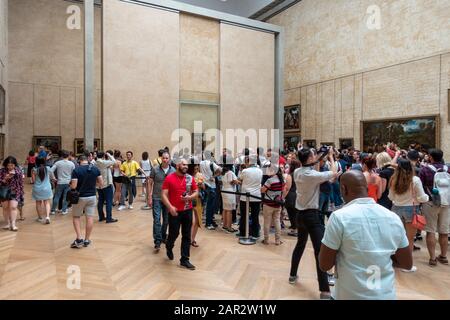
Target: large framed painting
[(423, 131), (291, 141), (345, 143), (310, 143), (292, 118), (51, 143), (79, 146)]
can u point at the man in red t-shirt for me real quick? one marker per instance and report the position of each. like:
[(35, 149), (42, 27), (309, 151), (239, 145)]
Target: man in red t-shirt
[(178, 191)]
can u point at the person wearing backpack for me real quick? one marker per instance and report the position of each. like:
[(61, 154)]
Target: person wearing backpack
[(436, 181)]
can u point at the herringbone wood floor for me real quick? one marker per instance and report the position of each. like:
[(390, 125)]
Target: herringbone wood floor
[(121, 264)]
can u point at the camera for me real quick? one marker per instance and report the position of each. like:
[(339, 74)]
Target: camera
[(323, 151)]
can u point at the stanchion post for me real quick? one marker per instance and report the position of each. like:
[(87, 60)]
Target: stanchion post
[(247, 240)]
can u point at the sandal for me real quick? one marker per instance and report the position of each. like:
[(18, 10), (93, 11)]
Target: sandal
[(21, 219), (278, 242), (432, 262), (442, 259), (266, 242), (194, 244)]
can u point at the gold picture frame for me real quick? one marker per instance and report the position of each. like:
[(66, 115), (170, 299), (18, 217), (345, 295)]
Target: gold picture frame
[(78, 145), (424, 130)]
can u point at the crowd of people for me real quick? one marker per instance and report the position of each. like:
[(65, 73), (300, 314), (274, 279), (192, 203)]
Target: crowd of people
[(387, 194)]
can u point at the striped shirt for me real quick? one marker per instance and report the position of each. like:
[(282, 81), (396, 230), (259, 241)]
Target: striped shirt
[(274, 191)]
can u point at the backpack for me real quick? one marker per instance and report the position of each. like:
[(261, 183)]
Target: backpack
[(441, 187)]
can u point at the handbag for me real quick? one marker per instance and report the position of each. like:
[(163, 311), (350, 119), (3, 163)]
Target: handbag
[(5, 193), (419, 221), (73, 195)]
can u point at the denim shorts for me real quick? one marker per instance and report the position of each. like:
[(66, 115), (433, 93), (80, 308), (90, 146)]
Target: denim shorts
[(406, 213)]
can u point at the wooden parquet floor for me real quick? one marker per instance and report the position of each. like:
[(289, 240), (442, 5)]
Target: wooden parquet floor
[(120, 264)]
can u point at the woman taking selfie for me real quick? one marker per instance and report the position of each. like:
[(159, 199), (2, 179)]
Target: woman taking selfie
[(11, 191)]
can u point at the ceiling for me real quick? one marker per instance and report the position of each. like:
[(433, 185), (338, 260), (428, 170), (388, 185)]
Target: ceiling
[(255, 9)]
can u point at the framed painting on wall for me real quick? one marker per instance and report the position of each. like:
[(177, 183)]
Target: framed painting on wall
[(291, 141), (51, 143), (345, 143), (79, 146), (310, 143), (422, 130), (292, 120)]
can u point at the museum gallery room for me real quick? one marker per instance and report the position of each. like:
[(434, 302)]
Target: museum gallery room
[(97, 96)]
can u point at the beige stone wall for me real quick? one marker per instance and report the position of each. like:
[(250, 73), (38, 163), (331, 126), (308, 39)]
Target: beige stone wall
[(341, 72), (4, 68), (46, 74), (247, 78), (199, 54), (141, 76)]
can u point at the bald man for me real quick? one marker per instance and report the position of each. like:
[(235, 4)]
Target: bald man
[(365, 241), (178, 191)]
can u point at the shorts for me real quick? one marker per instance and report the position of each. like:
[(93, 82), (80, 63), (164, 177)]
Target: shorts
[(438, 218), (117, 179), (406, 213), (86, 206)]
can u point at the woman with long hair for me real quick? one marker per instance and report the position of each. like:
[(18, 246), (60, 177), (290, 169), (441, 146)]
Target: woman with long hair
[(117, 177), (30, 163), (373, 180), (11, 178), (290, 194), (42, 190), (406, 193), (194, 171)]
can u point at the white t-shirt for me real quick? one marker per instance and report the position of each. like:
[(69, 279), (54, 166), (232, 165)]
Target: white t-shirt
[(226, 181), (251, 182), (205, 169), (365, 235)]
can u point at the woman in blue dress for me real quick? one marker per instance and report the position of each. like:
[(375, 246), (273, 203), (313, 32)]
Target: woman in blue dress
[(42, 190)]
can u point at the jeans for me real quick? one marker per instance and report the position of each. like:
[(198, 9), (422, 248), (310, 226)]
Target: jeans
[(105, 195), (324, 203), (309, 222), (254, 227), (292, 213), (159, 231), (61, 190), (184, 219), (211, 205), (130, 190), (336, 194)]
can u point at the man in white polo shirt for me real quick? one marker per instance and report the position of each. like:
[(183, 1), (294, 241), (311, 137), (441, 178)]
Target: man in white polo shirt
[(365, 241)]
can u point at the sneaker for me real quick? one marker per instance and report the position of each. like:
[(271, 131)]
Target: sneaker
[(47, 220), (331, 280), (130, 207), (225, 229), (53, 213), (40, 220), (65, 213), (121, 207), (157, 247), (77, 244), (169, 254), (6, 227), (293, 233), (86, 243), (293, 279), (187, 265), (442, 259), (111, 221), (210, 227), (413, 269)]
